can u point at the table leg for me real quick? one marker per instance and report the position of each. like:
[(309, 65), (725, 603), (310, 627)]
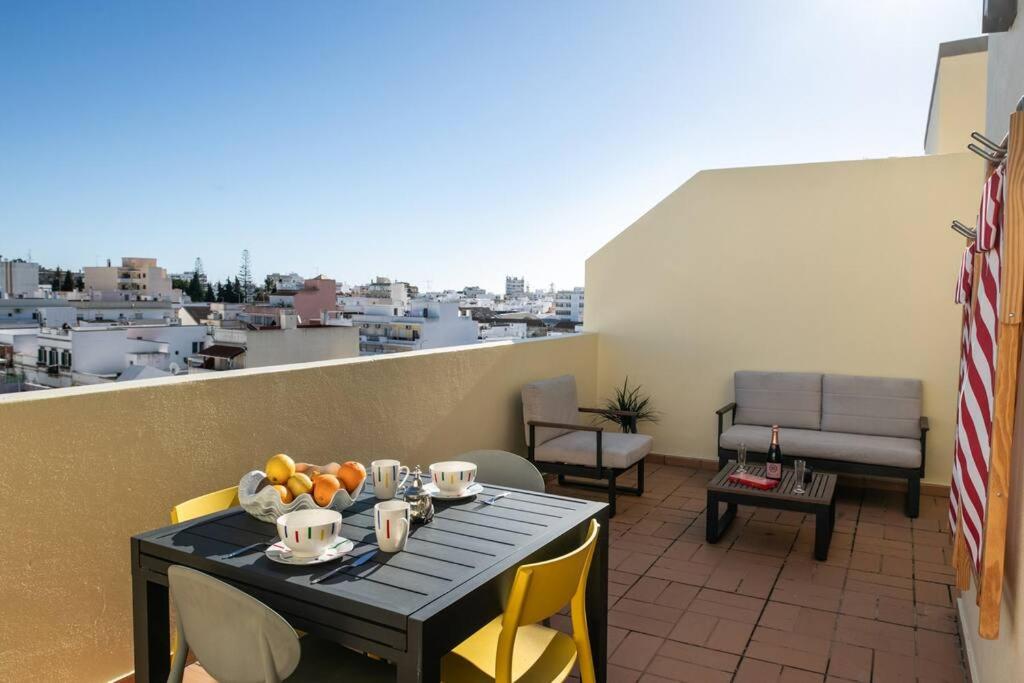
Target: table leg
[(597, 601), (151, 625), (822, 532), (717, 524)]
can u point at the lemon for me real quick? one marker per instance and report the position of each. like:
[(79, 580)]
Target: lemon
[(280, 468), (299, 484)]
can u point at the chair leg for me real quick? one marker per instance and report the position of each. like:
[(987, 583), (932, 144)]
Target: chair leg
[(913, 496), (611, 493), (640, 477)]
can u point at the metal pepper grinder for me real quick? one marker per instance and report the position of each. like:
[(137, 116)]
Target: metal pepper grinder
[(421, 505)]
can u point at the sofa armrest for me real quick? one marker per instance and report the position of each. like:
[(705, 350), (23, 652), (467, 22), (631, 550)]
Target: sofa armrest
[(726, 409), (924, 424)]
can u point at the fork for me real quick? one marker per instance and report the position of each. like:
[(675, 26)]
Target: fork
[(493, 499), (248, 548)]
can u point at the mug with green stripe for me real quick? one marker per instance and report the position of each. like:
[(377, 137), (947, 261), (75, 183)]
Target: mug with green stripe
[(308, 533)]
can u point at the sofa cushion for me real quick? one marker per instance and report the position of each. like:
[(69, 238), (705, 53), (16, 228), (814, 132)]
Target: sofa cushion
[(550, 400), (880, 406), (787, 399), (808, 443), (580, 448)]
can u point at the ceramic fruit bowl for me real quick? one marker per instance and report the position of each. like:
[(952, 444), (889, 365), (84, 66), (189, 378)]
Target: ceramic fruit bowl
[(264, 503)]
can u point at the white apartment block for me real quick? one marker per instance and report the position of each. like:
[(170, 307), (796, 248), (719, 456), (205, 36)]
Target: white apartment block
[(393, 327), (290, 282), (136, 279), (235, 348), (569, 304), (94, 354), (18, 279), (515, 287)]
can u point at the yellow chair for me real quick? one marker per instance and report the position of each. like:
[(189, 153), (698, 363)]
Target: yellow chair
[(514, 646), (204, 505), (197, 507)]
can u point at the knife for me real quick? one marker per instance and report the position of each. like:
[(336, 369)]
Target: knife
[(358, 562)]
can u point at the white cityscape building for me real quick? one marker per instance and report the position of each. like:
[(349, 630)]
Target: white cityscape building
[(18, 279), (569, 304), (291, 282), (388, 326), (514, 287), (136, 279)]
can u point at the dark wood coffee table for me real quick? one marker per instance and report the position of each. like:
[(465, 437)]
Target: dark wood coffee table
[(818, 498)]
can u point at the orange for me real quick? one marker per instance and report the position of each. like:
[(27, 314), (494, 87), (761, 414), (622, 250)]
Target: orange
[(279, 468), (324, 488), (286, 495), (351, 474)]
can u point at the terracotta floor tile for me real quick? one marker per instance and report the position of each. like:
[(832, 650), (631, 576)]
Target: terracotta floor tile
[(756, 671), (636, 651), (850, 662), (756, 606)]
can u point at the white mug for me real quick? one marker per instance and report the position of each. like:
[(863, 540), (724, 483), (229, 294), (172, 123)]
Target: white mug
[(386, 475), (391, 522)]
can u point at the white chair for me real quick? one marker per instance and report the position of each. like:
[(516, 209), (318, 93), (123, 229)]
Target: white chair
[(238, 639), (501, 468), (557, 442)]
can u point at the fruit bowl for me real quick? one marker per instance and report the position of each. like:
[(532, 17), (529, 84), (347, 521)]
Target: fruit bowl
[(261, 501)]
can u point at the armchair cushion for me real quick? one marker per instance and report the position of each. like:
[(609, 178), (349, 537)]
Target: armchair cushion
[(550, 400), (580, 448)]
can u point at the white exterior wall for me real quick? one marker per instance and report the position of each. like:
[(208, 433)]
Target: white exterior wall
[(300, 345), (178, 340), (18, 278)]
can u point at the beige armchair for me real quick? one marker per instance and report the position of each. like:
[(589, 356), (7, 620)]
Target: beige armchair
[(556, 442)]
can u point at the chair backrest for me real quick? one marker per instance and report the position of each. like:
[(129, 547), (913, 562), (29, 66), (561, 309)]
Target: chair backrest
[(550, 400), (204, 505), (501, 468), (539, 591), (233, 635)]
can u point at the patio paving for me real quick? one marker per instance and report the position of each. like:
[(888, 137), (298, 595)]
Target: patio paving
[(756, 607)]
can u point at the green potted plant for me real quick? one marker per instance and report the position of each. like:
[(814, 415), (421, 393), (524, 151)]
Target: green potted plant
[(630, 399)]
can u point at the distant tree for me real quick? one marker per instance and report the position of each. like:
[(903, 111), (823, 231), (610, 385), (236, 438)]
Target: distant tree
[(209, 295), (270, 285), (239, 292), (195, 287), (226, 292), (56, 281), (68, 285), (179, 283), (79, 283)]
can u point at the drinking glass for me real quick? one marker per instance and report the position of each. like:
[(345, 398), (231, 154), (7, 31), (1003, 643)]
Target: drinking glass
[(741, 458), (799, 467)]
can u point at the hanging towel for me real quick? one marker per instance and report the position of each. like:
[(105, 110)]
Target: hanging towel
[(974, 419), (962, 295)]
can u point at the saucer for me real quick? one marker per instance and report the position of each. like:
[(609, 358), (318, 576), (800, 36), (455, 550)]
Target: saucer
[(279, 552), (467, 492)]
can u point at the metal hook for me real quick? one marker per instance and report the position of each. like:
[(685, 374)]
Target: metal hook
[(999, 149), (994, 158), (967, 232)]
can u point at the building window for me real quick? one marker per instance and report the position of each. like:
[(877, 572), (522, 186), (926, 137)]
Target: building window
[(41, 356)]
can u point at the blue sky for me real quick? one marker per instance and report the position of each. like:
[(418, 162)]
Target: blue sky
[(443, 142)]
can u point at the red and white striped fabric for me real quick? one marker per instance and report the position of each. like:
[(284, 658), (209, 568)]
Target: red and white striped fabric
[(968, 490)]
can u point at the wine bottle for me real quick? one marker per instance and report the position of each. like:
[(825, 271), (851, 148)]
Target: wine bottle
[(773, 466)]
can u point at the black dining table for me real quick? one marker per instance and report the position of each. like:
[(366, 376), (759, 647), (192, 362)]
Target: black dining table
[(409, 607)]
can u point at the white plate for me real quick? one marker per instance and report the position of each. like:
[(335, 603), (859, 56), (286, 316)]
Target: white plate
[(467, 492), (279, 552)]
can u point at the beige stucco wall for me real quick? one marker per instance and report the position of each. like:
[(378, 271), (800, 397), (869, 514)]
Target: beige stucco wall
[(87, 467), (958, 103), (843, 267)]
